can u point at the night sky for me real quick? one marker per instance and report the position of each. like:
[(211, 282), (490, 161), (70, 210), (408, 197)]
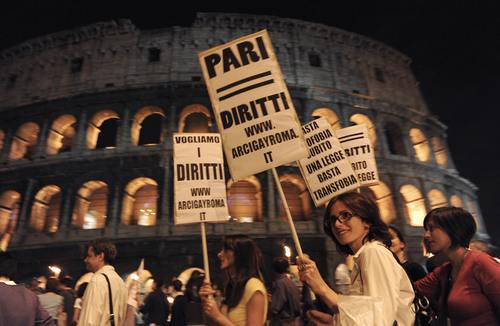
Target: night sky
[(454, 46)]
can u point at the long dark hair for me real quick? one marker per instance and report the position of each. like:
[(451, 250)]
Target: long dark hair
[(367, 210), (247, 264)]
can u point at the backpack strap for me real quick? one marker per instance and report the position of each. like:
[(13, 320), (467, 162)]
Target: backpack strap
[(111, 314)]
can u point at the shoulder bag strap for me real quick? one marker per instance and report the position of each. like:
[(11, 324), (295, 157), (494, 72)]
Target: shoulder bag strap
[(111, 314)]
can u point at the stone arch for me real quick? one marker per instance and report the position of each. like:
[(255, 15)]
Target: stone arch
[(46, 209), (414, 208), (24, 141), (382, 195), (139, 202), (437, 198), (244, 199), (440, 152), (297, 197), (395, 139), (456, 201), (329, 115), (420, 145), (91, 206), (61, 134), (9, 209), (102, 125), (146, 126), (195, 118), (359, 119)]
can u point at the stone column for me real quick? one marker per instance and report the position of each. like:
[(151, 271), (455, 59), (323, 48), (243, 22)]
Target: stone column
[(423, 190), (7, 142), (164, 190), (171, 126), (27, 201), (81, 143), (271, 196), (114, 207), (397, 197), (41, 147), (124, 135), (68, 194)]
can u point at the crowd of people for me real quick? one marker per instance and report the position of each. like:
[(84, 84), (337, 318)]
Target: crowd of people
[(377, 285)]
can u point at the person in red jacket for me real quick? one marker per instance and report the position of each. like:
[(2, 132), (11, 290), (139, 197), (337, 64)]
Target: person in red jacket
[(467, 287)]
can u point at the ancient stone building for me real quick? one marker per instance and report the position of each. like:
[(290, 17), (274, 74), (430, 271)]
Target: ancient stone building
[(87, 117)]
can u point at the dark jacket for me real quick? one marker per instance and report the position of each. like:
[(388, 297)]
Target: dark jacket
[(179, 311), (285, 301), (20, 306), (155, 308)]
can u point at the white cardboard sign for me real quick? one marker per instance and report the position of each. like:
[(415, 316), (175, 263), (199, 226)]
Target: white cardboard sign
[(326, 170), (358, 149), (199, 183), (252, 106)]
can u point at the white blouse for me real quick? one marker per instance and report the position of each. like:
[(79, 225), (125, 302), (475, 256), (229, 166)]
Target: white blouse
[(377, 275)]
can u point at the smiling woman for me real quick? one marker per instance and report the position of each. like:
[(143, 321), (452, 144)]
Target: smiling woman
[(353, 222)]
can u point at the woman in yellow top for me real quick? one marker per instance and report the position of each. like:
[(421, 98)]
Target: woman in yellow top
[(245, 300)]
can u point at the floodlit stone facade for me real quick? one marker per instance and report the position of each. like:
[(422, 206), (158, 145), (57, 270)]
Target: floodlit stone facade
[(86, 150)]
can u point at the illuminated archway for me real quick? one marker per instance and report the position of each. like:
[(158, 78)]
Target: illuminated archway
[(420, 145), (61, 134), (439, 152), (382, 195), (139, 202), (297, 197), (329, 115), (102, 130), (146, 126), (91, 206), (24, 141), (9, 209), (195, 118), (46, 209), (414, 204), (244, 199), (437, 198), (456, 201), (363, 119)]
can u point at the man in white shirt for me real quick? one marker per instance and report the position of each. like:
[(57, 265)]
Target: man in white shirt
[(101, 254)]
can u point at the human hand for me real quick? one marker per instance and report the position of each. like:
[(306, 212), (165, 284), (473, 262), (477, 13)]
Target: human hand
[(211, 308), (318, 318), (206, 291), (309, 273)]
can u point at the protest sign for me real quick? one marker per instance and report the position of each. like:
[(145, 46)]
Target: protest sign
[(326, 170), (252, 106), (199, 183), (357, 146)]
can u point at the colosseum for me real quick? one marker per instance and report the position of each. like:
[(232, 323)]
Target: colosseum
[(86, 141)]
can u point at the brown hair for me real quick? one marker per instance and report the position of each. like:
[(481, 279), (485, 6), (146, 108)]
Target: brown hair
[(247, 264), (106, 247), (367, 210)]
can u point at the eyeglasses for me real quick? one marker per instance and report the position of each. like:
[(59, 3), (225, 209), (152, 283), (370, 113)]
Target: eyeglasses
[(342, 217)]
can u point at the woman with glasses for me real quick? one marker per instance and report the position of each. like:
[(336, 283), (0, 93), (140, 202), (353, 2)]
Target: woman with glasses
[(245, 295), (353, 222)]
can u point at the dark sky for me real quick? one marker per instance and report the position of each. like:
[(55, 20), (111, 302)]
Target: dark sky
[(454, 45)]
